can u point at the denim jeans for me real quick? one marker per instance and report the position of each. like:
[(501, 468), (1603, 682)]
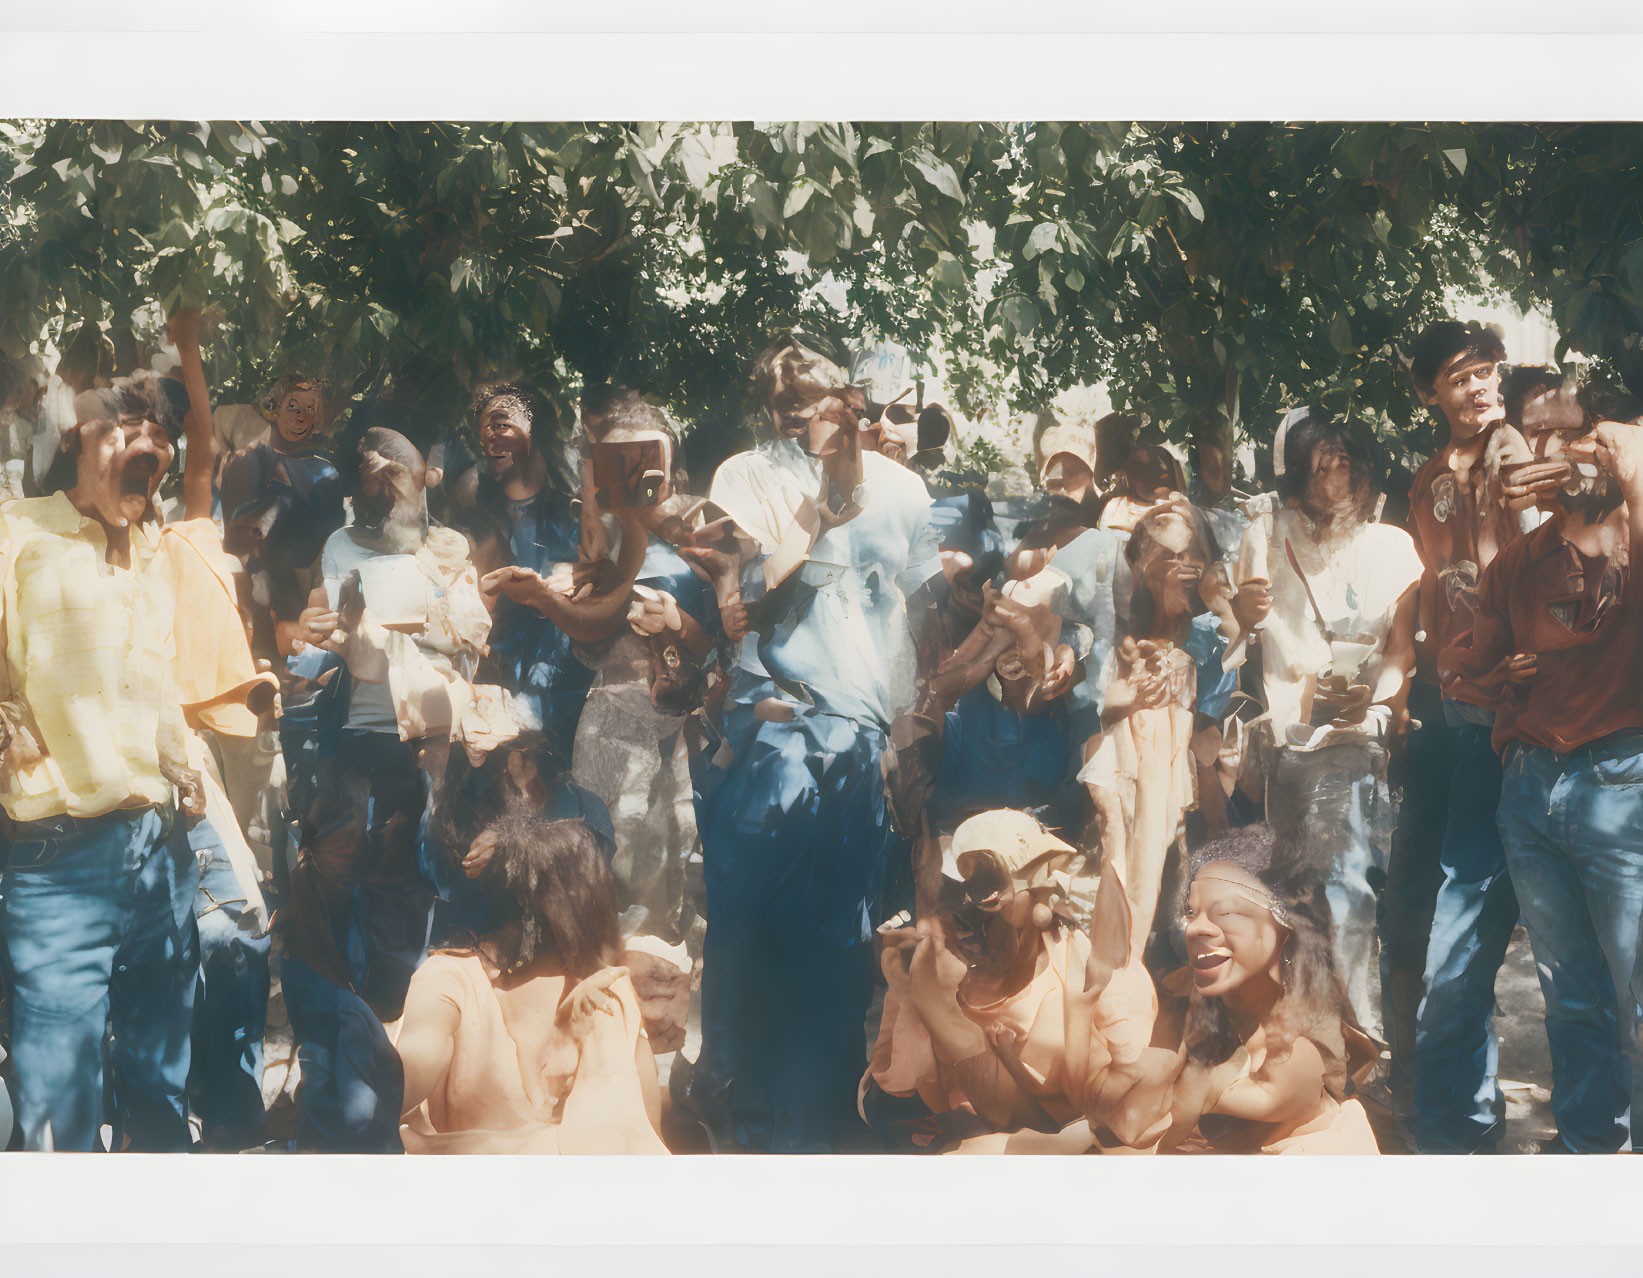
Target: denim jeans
[(99, 930), (1572, 825), (1457, 1100), (230, 1004), (353, 1085), (360, 907), (1336, 799), (1421, 772)]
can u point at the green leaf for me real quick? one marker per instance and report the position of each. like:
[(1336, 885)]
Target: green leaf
[(1340, 334), (767, 213), (938, 173), (1188, 201), (949, 272), (1042, 240), (798, 197), (1019, 314)]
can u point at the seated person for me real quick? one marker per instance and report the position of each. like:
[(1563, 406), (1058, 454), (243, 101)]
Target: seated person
[(976, 1020), (529, 1041), (1269, 1041)]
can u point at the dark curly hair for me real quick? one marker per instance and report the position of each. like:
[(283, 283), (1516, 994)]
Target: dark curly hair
[(1314, 1005), (521, 398)]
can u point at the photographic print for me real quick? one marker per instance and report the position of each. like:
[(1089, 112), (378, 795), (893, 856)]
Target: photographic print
[(830, 637)]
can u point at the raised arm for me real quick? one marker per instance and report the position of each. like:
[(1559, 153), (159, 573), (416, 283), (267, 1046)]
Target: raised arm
[(184, 330), (1619, 449)]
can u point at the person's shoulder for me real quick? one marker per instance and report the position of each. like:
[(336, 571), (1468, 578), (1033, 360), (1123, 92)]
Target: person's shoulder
[(1386, 538), (339, 545), (739, 467), (450, 967), (256, 453), (884, 475), (53, 513), (1515, 553), (1429, 470)]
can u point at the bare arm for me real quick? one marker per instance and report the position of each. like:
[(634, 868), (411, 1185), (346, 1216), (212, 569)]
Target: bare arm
[(184, 330), (1392, 684), (427, 1040), (1619, 449), (585, 620), (1286, 1091)]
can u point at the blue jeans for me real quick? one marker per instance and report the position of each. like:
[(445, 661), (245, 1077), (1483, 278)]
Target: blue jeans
[(1457, 1100), (1421, 770), (1334, 801), (353, 1085), (230, 1005), (1572, 825), (796, 842), (99, 931), (360, 907)]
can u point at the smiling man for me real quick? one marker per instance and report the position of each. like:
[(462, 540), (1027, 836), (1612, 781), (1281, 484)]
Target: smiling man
[(99, 887), (1461, 519)]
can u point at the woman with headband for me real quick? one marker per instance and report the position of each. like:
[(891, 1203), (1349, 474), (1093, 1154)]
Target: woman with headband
[(1268, 1042)]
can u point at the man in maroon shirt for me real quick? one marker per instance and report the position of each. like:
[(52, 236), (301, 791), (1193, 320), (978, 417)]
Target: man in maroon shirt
[(1461, 518), (1557, 632)]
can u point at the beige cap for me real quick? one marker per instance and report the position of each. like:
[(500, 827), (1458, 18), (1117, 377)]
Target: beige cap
[(1020, 843)]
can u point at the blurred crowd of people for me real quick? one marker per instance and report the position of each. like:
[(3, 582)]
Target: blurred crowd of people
[(582, 790)]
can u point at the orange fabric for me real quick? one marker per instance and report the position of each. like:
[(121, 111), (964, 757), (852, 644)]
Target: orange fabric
[(514, 1088), (213, 666), (1031, 1025)]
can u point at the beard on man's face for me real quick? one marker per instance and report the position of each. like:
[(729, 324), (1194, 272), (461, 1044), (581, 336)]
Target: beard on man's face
[(1593, 501), (371, 510)]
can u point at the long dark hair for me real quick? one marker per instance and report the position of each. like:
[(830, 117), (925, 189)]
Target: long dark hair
[(1313, 1005), (1141, 607), (549, 878), (1351, 435), (562, 902)]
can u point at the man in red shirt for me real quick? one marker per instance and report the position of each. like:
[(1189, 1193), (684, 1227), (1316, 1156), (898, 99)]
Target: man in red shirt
[(1556, 634), (1461, 518)]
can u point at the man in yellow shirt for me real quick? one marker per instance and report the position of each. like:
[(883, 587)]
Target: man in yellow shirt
[(96, 904)]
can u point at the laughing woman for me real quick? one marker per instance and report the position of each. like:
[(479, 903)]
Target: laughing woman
[(1269, 1039)]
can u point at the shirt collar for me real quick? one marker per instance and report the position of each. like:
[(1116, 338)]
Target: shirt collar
[(1546, 541)]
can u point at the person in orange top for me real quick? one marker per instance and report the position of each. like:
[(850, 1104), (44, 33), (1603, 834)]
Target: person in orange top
[(978, 1018), (531, 1041), (1261, 1060)]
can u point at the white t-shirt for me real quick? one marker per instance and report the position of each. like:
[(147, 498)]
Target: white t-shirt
[(1357, 580), (853, 647)]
